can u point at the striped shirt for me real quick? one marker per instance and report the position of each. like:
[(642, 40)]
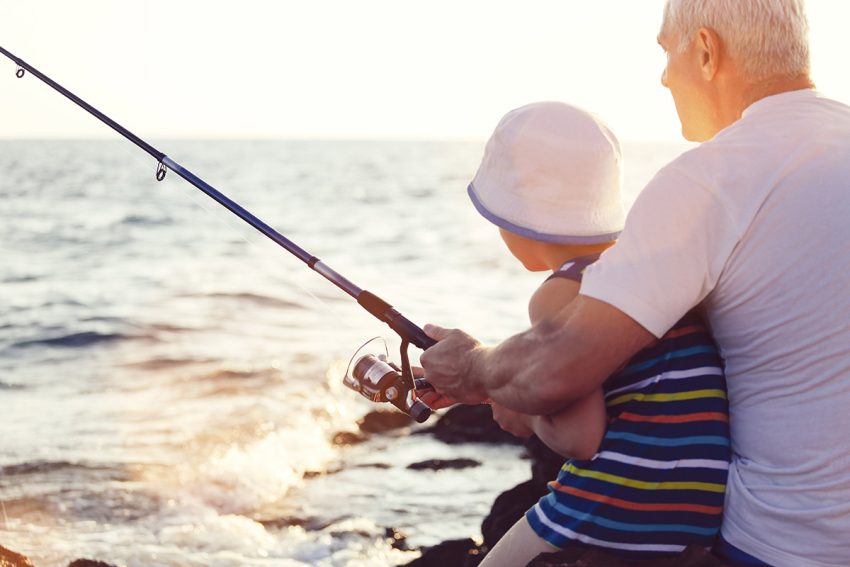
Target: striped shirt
[(658, 481)]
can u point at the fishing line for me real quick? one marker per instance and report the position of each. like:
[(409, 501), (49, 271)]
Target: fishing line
[(403, 385)]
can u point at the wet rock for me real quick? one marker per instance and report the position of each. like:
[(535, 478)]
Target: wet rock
[(545, 463), (441, 464), (89, 563), (455, 553), (348, 438), (309, 524), (373, 466), (9, 558), (509, 507), (380, 421), (512, 504), (278, 523), (396, 539), (693, 556), (470, 424)]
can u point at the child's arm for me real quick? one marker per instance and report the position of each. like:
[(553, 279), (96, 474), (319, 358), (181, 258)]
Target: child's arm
[(577, 430)]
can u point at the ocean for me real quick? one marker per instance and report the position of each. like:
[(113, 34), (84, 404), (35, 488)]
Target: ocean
[(171, 380)]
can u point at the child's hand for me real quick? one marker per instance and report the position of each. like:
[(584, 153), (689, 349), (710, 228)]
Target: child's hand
[(435, 400), (431, 397), (515, 423)]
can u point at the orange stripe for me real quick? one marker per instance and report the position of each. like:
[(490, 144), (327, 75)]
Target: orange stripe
[(684, 331), (701, 416), (677, 507)]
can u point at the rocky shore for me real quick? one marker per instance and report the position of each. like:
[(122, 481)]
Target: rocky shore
[(9, 558), (474, 424), (466, 424)]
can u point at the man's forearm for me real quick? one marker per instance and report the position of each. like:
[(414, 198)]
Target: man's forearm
[(533, 372), (539, 371)]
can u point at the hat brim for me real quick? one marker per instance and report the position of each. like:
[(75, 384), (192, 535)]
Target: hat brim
[(533, 234)]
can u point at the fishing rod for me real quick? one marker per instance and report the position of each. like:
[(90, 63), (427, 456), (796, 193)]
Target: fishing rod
[(373, 377)]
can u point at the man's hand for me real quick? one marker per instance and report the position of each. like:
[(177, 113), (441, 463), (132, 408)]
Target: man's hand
[(450, 365), (515, 423), (429, 396)]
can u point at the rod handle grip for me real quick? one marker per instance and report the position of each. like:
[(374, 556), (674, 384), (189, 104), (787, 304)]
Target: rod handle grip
[(404, 327)]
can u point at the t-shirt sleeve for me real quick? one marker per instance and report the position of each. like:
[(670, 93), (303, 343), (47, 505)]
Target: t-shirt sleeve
[(677, 239)]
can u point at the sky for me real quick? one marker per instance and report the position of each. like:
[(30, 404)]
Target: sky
[(364, 69)]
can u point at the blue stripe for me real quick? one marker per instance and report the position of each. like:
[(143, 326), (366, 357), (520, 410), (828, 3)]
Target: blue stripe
[(669, 442), (704, 349), (533, 234), (624, 527)]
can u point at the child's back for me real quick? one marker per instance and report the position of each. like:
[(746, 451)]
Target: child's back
[(651, 447)]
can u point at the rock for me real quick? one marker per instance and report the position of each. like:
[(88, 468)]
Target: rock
[(309, 524), (509, 507), (470, 424), (347, 438), (89, 563), (396, 539), (380, 421), (692, 556), (512, 504), (545, 463), (454, 553), (9, 558), (579, 557), (373, 466), (440, 464)]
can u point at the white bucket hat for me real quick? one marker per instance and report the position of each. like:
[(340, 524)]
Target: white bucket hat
[(551, 172)]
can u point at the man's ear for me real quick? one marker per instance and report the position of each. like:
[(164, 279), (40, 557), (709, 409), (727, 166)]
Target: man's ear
[(709, 52)]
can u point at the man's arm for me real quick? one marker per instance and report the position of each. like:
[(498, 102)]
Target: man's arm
[(577, 430), (542, 370)]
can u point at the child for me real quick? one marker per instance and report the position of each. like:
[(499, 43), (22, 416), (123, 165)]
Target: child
[(650, 449)]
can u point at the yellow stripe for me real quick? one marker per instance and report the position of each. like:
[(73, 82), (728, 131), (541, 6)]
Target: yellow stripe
[(613, 479), (666, 397)]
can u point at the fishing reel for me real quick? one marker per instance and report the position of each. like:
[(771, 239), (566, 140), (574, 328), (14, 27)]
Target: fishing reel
[(378, 379)]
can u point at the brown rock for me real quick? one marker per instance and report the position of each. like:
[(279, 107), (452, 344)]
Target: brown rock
[(9, 558), (470, 424), (347, 438), (380, 421)]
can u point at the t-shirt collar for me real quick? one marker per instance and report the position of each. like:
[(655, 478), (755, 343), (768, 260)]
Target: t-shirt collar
[(781, 98)]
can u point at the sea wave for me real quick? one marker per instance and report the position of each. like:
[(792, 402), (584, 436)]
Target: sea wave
[(258, 299), (146, 221), (165, 363), (77, 340)]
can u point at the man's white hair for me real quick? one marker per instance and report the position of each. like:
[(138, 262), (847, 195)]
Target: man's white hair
[(767, 38)]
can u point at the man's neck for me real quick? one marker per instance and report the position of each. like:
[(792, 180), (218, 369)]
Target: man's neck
[(764, 89)]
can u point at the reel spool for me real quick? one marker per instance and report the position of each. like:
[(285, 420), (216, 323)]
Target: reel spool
[(377, 379)]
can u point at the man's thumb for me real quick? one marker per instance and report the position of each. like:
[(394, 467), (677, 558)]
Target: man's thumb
[(435, 332)]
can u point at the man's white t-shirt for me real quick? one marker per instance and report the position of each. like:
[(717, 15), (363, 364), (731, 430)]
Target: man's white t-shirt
[(755, 224)]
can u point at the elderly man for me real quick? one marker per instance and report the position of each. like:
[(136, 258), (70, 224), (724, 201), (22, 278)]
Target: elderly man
[(754, 225)]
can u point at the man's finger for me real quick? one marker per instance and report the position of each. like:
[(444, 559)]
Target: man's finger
[(435, 332)]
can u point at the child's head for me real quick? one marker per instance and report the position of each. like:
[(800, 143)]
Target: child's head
[(550, 178)]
